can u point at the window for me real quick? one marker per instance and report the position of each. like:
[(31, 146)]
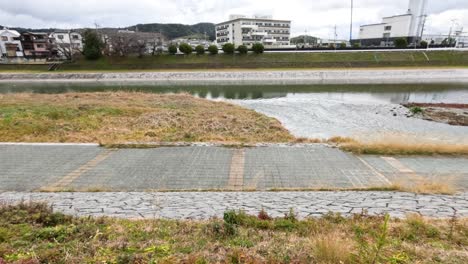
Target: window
[(386, 35), (60, 36), (4, 38), (75, 37), (40, 46), (388, 27)]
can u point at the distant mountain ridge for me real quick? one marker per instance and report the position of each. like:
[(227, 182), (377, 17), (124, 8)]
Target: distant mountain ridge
[(171, 31)]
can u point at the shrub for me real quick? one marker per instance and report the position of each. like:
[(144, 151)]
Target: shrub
[(200, 49), (416, 110), (356, 45), (92, 45), (342, 45), (401, 43), (185, 48), (424, 44), (258, 48), (228, 48), (263, 215), (172, 49), (213, 49), (242, 49)]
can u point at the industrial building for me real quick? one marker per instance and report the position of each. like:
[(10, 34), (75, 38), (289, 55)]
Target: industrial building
[(240, 30), (409, 26)]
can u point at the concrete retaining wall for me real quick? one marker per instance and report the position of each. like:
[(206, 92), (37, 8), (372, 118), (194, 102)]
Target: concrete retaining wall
[(256, 77)]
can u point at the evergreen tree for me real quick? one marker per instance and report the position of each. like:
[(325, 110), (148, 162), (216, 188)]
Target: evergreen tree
[(93, 45)]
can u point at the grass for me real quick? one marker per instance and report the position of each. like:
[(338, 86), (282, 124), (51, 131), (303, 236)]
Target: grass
[(399, 146), (263, 61), (115, 118), (32, 233), (422, 185)]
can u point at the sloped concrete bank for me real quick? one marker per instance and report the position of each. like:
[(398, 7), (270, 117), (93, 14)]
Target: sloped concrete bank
[(374, 76)]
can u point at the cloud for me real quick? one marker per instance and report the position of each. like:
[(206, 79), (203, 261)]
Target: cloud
[(317, 17)]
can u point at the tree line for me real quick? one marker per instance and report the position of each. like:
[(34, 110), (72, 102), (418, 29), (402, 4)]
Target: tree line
[(93, 47)]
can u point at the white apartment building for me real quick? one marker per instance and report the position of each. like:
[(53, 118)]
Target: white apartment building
[(240, 30), (409, 26), (10, 44)]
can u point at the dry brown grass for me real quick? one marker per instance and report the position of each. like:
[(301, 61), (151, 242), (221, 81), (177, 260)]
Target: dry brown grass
[(399, 146), (111, 118), (330, 248), (424, 185)]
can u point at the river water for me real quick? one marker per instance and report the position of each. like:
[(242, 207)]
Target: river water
[(315, 111)]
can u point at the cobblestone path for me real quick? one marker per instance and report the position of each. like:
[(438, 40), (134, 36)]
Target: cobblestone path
[(203, 205)]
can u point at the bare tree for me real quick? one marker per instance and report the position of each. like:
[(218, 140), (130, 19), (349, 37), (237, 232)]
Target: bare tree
[(124, 43), (67, 47)]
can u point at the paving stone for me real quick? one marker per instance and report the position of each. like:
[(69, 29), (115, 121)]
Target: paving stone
[(204, 205)]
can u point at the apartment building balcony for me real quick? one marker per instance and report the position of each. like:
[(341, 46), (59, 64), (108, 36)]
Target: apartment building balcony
[(251, 27), (269, 41), (259, 33)]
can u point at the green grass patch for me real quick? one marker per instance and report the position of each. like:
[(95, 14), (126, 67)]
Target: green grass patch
[(262, 61), (32, 233)]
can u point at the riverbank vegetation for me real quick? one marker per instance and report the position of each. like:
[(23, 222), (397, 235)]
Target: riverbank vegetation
[(451, 114), (286, 60), (120, 117), (32, 233), (399, 146)]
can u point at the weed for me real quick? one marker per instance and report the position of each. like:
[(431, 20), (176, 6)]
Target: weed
[(399, 146), (331, 248), (263, 215), (28, 235), (416, 110), (426, 185), (416, 228), (371, 252)]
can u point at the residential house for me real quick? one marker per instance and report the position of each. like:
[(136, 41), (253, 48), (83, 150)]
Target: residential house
[(65, 44), (126, 42), (193, 42), (36, 45), (10, 44)]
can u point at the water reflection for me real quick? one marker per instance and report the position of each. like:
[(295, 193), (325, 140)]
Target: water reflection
[(448, 93)]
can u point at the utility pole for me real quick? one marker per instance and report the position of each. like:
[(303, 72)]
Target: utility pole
[(351, 24), (305, 38), (334, 41), (450, 32)]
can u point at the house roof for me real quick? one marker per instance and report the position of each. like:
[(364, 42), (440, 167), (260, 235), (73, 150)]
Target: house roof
[(398, 16), (253, 19), (36, 33), (377, 24), (9, 31)]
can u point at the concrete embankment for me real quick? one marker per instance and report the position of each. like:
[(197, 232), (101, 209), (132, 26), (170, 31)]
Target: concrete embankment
[(374, 76)]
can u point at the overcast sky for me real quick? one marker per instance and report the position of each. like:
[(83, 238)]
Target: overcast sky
[(317, 17)]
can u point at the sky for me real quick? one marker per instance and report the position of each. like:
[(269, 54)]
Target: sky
[(318, 17)]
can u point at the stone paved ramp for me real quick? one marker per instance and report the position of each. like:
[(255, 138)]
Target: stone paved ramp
[(27, 168), (203, 205)]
